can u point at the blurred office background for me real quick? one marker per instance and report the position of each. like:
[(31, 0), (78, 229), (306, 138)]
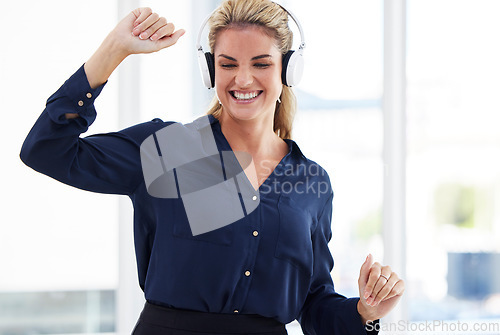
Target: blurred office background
[(418, 185)]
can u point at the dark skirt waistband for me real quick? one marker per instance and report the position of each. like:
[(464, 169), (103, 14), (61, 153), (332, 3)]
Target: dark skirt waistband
[(186, 321)]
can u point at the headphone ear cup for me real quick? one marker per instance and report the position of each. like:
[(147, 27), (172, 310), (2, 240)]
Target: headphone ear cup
[(207, 68), (286, 60), (293, 67), (211, 68)]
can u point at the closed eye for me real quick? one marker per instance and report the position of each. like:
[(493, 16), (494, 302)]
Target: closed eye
[(262, 65)]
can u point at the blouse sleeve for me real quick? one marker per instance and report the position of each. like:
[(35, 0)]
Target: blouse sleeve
[(325, 311), (105, 163)]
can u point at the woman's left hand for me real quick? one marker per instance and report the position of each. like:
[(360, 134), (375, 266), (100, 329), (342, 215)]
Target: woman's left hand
[(380, 289)]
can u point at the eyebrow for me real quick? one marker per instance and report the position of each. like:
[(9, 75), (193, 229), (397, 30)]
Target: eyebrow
[(254, 58)]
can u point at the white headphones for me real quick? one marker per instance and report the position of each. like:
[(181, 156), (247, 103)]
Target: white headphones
[(292, 64)]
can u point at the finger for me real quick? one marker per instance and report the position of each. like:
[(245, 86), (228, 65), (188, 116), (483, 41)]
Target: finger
[(141, 14), (397, 290), (168, 41), (375, 271), (364, 272), (385, 274), (150, 21), (147, 23), (386, 289), (379, 285), (162, 31), (161, 22)]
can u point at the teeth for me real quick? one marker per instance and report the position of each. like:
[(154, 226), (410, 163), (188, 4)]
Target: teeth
[(245, 96)]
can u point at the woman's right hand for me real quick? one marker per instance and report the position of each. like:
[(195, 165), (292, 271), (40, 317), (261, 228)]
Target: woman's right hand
[(142, 31)]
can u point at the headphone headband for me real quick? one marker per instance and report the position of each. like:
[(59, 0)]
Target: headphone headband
[(292, 61), (301, 32), (294, 18)]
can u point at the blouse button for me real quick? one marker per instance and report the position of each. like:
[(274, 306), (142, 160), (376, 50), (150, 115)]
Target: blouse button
[(89, 95), (255, 233), (247, 273), (80, 103), (254, 198)]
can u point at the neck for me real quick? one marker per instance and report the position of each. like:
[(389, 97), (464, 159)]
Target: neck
[(252, 136), (257, 138)]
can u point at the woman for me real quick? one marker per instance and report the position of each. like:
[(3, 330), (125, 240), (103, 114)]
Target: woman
[(265, 268)]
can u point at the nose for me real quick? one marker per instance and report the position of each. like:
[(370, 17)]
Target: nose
[(244, 77)]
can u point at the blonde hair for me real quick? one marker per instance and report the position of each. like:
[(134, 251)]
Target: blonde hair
[(274, 19)]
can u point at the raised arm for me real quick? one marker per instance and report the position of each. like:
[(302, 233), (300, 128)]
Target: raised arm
[(107, 163)]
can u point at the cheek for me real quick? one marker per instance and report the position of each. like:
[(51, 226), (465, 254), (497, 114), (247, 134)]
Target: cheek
[(221, 85), (274, 81), (220, 78), (277, 76)]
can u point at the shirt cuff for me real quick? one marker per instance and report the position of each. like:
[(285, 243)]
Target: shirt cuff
[(351, 320), (371, 327), (354, 318), (74, 96)]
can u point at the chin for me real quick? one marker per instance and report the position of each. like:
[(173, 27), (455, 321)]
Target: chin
[(243, 114)]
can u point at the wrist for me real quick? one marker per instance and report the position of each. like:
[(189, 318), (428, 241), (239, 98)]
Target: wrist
[(114, 47), (365, 314), (104, 61)]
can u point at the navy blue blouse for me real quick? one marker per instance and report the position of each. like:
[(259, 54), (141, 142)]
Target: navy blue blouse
[(274, 261)]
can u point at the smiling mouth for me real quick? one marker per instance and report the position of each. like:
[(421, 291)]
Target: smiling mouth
[(245, 96)]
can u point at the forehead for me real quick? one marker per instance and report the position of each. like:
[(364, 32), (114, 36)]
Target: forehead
[(248, 40)]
